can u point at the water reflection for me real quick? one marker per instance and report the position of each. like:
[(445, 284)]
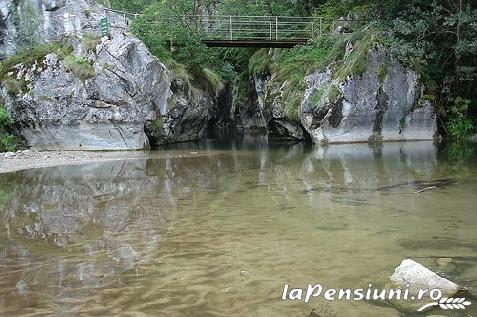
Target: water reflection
[(77, 236)]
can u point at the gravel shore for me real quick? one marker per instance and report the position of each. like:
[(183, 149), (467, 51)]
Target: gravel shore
[(27, 159)]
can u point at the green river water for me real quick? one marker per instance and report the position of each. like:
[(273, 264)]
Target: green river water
[(218, 229)]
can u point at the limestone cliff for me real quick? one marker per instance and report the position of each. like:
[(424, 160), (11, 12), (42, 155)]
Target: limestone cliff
[(83, 92)]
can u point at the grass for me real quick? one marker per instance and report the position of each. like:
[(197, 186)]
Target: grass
[(333, 94), (79, 67), (317, 96), (90, 41), (214, 79), (34, 54), (261, 62), (356, 63), (158, 123)]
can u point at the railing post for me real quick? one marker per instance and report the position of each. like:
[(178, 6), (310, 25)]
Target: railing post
[(321, 26), (230, 26), (271, 30), (276, 28), (312, 29)]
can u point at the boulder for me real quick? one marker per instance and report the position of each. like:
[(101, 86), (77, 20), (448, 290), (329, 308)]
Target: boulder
[(420, 277)]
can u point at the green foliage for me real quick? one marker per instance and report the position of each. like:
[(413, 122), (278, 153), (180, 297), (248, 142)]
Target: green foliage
[(459, 125), (213, 79), (133, 6), (5, 119), (79, 67), (261, 61), (460, 128), (8, 143), (90, 41)]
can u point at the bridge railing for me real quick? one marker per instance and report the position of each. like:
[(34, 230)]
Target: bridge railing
[(256, 27)]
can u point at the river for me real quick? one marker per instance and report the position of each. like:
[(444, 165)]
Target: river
[(218, 228)]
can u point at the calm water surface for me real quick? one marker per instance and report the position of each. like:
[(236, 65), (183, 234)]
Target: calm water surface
[(217, 230)]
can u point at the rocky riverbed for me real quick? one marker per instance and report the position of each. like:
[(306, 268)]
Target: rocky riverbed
[(27, 159)]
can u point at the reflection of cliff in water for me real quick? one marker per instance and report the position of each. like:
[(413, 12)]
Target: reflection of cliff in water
[(83, 225)]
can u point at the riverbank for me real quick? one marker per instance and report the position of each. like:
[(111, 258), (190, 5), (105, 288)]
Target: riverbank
[(27, 159)]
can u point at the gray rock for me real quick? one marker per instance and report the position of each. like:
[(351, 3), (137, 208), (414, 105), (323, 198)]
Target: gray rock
[(60, 111), (368, 107), (51, 20), (419, 277), (130, 101), (384, 104)]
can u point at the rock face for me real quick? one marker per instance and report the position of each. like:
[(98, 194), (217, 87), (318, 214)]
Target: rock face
[(22, 22), (106, 94), (264, 110), (108, 111), (383, 104)]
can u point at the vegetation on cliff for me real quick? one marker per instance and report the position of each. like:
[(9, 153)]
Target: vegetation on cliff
[(436, 39)]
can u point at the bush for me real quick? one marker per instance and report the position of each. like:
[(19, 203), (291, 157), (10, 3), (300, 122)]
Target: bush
[(5, 119), (79, 67), (8, 143), (459, 125), (460, 128)]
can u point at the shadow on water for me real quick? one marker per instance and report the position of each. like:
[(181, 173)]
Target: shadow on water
[(112, 230)]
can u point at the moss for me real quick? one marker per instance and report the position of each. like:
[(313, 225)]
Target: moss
[(170, 102), (79, 67), (429, 97), (402, 124), (110, 67), (90, 41)]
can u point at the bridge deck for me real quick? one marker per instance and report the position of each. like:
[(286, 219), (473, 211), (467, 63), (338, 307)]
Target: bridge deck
[(255, 43)]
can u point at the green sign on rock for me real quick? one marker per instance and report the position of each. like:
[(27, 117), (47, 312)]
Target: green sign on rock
[(104, 27)]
